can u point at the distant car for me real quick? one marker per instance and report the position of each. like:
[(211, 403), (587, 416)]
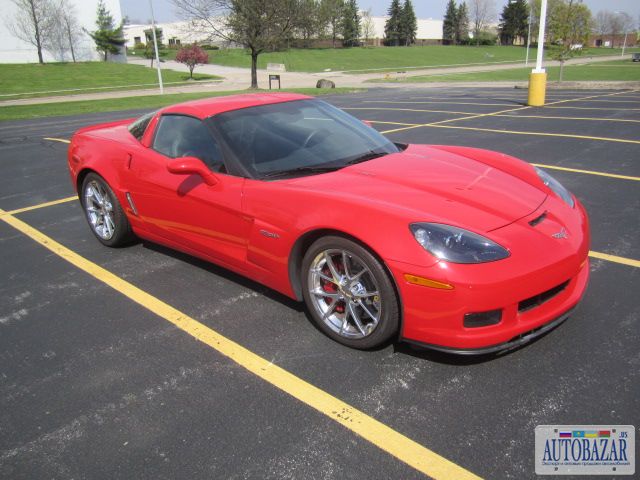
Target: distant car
[(635, 57), (460, 249)]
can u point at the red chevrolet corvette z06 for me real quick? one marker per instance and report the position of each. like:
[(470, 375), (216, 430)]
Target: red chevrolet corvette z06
[(460, 249)]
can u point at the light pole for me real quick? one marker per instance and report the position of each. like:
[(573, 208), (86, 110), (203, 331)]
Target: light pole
[(526, 60), (538, 76), (155, 46), (626, 19)]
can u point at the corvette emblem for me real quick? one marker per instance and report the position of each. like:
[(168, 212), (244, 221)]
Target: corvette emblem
[(561, 234), (269, 234)]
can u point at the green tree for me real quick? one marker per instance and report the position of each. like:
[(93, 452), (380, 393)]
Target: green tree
[(570, 26), (108, 38), (331, 17), (408, 23), (149, 48), (462, 23), (350, 24), (392, 26), (450, 23), (514, 21), (308, 21), (258, 25)]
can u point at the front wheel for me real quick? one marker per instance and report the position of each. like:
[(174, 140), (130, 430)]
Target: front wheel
[(349, 294), (106, 218)]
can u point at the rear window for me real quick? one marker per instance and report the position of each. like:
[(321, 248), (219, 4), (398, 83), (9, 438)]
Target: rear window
[(138, 127)]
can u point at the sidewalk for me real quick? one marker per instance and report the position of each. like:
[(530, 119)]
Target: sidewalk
[(240, 79)]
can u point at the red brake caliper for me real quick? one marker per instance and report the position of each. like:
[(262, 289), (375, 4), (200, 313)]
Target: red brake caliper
[(331, 287)]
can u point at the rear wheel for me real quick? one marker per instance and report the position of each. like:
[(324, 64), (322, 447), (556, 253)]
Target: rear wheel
[(104, 213), (349, 294)]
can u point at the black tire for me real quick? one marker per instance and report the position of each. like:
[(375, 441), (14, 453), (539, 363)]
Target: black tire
[(115, 233), (332, 302)]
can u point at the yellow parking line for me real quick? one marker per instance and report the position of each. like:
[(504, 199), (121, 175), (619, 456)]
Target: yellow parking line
[(40, 205), (454, 112), (539, 134), (615, 258), (598, 95), (61, 140), (379, 434), (606, 100), (409, 110), (396, 123), (444, 101), (474, 116), (608, 109), (588, 172), (547, 117)]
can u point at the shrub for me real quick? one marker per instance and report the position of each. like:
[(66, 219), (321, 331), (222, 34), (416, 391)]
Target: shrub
[(191, 56)]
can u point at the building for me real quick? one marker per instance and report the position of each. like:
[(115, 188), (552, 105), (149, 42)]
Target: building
[(176, 33), (14, 50), (630, 39)]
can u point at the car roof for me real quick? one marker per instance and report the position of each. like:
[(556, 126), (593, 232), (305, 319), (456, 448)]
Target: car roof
[(207, 107)]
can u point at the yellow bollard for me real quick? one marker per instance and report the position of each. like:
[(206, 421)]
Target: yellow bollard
[(537, 89)]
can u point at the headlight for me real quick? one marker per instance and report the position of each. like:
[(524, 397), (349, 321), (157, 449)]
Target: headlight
[(556, 187), (456, 245)]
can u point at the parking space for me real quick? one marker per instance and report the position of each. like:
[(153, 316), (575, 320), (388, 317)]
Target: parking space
[(101, 376)]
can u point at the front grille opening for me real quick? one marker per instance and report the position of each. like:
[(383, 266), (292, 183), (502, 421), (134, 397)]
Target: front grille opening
[(482, 319), (541, 298)]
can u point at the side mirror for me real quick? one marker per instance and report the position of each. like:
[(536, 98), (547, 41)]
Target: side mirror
[(192, 166)]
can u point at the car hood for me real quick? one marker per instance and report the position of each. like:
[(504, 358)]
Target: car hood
[(434, 185)]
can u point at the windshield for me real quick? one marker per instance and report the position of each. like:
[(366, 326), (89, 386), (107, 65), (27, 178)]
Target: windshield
[(298, 138)]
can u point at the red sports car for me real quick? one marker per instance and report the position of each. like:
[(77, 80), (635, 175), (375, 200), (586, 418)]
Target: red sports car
[(460, 249)]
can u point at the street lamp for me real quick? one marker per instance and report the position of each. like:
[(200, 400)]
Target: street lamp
[(526, 60), (626, 20), (155, 46)]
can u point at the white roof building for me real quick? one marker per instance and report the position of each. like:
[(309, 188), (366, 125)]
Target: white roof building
[(14, 50), (428, 29)]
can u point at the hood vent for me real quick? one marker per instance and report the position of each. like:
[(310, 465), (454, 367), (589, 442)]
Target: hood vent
[(537, 220)]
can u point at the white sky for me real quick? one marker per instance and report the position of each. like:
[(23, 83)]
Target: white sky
[(164, 10)]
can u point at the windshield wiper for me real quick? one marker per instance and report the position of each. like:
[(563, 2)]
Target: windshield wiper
[(308, 169), (370, 155)]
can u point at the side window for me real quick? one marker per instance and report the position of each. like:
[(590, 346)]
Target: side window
[(181, 136), (138, 127)]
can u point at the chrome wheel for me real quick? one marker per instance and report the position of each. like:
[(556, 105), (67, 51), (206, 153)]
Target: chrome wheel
[(344, 292), (99, 210)]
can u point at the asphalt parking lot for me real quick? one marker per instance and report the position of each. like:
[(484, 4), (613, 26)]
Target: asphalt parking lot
[(101, 376)]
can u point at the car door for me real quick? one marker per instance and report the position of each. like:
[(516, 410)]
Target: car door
[(183, 208)]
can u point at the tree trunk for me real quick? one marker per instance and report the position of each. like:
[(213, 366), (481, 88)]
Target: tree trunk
[(70, 37), (254, 69), (105, 55), (36, 27), (191, 67), (561, 71)]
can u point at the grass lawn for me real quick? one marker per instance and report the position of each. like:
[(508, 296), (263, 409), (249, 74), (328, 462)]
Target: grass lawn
[(130, 103), (605, 71), (33, 80), (383, 58)]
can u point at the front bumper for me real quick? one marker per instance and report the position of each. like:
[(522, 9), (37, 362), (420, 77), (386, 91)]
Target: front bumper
[(535, 289), (512, 344)]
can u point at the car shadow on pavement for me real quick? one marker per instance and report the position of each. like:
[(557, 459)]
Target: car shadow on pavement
[(225, 274)]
